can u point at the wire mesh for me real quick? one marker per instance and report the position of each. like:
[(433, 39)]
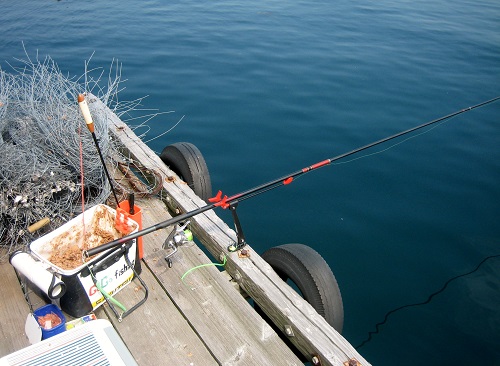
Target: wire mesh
[(43, 140)]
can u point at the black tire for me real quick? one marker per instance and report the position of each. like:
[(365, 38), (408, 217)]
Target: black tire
[(187, 162), (307, 269)]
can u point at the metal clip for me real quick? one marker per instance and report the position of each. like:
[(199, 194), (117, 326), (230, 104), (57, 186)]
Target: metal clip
[(239, 231)]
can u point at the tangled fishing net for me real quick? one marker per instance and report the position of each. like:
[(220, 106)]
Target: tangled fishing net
[(44, 141)]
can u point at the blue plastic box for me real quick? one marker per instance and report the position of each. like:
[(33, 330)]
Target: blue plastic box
[(47, 309)]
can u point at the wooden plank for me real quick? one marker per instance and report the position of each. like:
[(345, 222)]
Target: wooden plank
[(222, 318), (13, 312), (248, 340), (312, 334), (156, 333)]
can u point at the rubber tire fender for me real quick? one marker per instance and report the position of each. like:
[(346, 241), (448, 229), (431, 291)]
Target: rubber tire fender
[(307, 269), (186, 160)]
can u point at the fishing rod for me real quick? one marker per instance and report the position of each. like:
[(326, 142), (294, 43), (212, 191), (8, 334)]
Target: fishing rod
[(90, 125), (232, 201)]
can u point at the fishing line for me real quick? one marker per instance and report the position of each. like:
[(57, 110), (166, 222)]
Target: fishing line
[(363, 156), (288, 179), (377, 326), (165, 132), (396, 144), (392, 137), (82, 180)]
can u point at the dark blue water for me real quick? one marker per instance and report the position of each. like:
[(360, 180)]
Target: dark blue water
[(268, 87)]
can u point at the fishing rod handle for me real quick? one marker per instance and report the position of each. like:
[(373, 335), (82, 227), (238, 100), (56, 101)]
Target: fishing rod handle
[(112, 244), (117, 242), (120, 241), (84, 107)]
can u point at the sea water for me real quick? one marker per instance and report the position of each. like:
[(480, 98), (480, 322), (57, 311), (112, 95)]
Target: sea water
[(265, 88)]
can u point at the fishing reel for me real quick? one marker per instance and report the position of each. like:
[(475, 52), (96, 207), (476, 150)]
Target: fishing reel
[(179, 236)]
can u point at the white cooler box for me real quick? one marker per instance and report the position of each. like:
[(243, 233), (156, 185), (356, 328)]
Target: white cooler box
[(110, 268)]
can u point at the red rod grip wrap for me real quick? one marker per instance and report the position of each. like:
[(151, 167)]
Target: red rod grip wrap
[(317, 165)]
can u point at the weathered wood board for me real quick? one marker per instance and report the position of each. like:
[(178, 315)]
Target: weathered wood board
[(13, 312), (204, 305), (202, 319), (312, 334)]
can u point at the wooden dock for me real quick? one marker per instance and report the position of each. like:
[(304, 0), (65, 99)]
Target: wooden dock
[(203, 319)]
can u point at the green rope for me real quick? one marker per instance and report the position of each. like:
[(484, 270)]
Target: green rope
[(106, 295), (203, 265), (110, 298)]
